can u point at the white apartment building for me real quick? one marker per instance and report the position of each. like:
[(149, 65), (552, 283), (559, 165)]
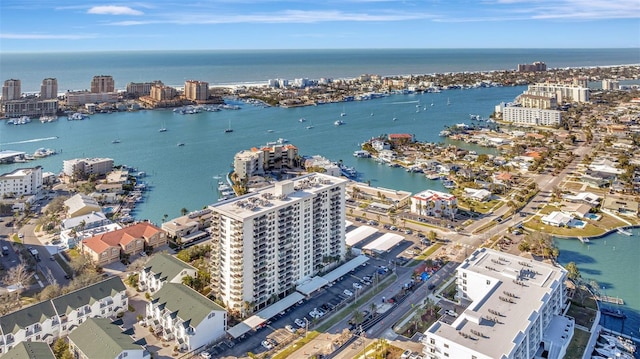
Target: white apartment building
[(562, 92), (51, 319), (163, 268), (531, 116), (514, 311), (49, 89), (11, 90), (78, 98), (273, 156), (22, 181), (267, 242), (180, 314), (87, 166), (434, 203)]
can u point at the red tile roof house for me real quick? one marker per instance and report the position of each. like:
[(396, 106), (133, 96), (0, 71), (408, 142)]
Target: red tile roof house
[(110, 247)]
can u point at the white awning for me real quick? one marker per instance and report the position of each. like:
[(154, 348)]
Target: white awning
[(345, 268), (359, 234), (384, 243), (311, 285), (262, 316)]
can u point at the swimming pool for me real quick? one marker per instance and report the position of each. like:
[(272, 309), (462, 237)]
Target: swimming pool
[(577, 223), (592, 216)]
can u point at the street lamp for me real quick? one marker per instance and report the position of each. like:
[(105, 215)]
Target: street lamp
[(306, 327)]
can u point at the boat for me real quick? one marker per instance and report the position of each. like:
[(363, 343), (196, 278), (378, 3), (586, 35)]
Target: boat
[(115, 141), (269, 131), (45, 118), (77, 116), (301, 119), (309, 127), (342, 114), (162, 129), (19, 121), (395, 119), (625, 232), (43, 152), (612, 352), (448, 102), (180, 144), (371, 114), (621, 342), (228, 129), (616, 313), (448, 184), (362, 154), (339, 123)]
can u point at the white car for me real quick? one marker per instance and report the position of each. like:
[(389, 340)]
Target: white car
[(348, 293), (451, 313), (205, 355), (357, 285), (290, 328), (299, 322), (405, 354), (267, 345)]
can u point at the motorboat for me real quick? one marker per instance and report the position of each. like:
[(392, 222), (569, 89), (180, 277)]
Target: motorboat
[(180, 144), (625, 232), (617, 313), (339, 123)]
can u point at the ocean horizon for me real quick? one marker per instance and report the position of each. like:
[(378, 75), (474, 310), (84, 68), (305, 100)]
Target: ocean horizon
[(74, 70)]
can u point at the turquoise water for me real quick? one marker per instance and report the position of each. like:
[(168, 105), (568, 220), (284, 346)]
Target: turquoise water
[(612, 261)]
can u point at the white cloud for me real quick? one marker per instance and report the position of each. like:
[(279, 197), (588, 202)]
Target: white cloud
[(13, 36), (113, 10)]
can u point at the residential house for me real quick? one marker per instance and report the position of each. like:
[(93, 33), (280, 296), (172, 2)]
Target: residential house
[(30, 350), (163, 268), (379, 145), (85, 221), (101, 338), (109, 247), (589, 198), (179, 313), (621, 206), (480, 195), (556, 219), (51, 319), (80, 205)]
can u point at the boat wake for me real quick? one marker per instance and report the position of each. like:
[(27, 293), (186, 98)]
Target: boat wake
[(402, 102), (33, 140)]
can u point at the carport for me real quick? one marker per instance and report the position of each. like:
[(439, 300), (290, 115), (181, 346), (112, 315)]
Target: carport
[(384, 243), (359, 234), (262, 316), (311, 285), (345, 268)]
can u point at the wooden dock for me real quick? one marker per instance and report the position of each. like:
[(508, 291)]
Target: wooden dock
[(608, 299)]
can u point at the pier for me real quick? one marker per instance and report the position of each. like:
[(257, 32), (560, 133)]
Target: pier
[(608, 299)]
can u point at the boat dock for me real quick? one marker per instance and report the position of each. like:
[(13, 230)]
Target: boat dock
[(608, 299), (583, 240)]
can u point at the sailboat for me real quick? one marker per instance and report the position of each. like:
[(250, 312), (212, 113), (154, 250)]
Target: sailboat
[(342, 114), (448, 102), (163, 128), (228, 129)]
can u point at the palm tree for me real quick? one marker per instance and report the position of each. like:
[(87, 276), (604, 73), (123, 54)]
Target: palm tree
[(184, 211)]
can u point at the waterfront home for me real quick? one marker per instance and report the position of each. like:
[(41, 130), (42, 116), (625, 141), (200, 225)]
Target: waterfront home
[(70, 237), (434, 203), (398, 139), (85, 221), (379, 145), (109, 247), (163, 268), (51, 319), (556, 219), (180, 314), (588, 198), (101, 338), (620, 206), (387, 156), (578, 210), (80, 205), (30, 350), (189, 227)]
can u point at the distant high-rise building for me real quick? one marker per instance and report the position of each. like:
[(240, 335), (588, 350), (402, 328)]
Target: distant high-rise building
[(608, 84), (196, 90), (102, 83), (141, 88), (534, 67), (11, 90), (161, 92), (49, 89)]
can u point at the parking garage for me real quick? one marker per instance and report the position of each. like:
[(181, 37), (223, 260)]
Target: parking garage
[(264, 315)]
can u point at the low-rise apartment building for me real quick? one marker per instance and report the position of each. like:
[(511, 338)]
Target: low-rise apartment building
[(434, 203), (109, 247), (51, 319), (101, 338), (22, 181), (84, 167), (163, 268), (514, 311), (180, 314)]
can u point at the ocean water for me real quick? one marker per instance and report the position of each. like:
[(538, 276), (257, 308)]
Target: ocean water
[(611, 261), (74, 71)]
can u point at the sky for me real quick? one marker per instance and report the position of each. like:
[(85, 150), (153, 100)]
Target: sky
[(91, 25)]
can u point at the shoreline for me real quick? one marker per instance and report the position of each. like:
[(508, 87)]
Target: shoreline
[(597, 236)]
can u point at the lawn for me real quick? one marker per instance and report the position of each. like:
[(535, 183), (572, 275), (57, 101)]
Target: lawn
[(589, 230), (578, 344), (425, 255), (584, 316), (295, 346)]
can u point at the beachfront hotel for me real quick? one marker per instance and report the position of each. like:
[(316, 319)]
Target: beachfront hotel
[(49, 89), (196, 90), (102, 84), (267, 242), (511, 308), (11, 90), (526, 116)]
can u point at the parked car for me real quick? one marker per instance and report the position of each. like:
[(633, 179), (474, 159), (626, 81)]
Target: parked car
[(405, 354), (357, 285), (205, 355), (267, 345), (290, 328), (299, 322), (451, 313), (348, 293)]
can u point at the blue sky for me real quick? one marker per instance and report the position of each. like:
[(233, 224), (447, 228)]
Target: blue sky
[(71, 25)]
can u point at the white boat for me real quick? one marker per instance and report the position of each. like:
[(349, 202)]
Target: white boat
[(448, 102), (613, 352), (339, 123), (19, 121), (228, 129), (162, 129), (309, 127), (301, 119), (116, 141), (625, 232), (78, 116), (45, 118)]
